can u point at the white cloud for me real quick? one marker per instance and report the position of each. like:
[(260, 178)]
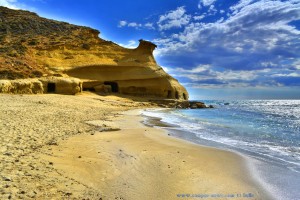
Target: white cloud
[(241, 4), (257, 36), (236, 75), (130, 45), (297, 64), (199, 17), (199, 6), (134, 25), (174, 14), (122, 23), (268, 64), (294, 74), (199, 69), (206, 2), (166, 69), (13, 4), (206, 72), (174, 19), (254, 45), (258, 28), (212, 10), (207, 76), (149, 25)]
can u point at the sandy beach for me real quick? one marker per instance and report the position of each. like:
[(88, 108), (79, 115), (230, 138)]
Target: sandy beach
[(93, 147)]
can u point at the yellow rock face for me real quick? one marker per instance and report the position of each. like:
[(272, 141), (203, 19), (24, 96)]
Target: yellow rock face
[(32, 47)]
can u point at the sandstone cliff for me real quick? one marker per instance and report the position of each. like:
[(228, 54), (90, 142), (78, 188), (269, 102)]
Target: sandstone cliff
[(33, 47)]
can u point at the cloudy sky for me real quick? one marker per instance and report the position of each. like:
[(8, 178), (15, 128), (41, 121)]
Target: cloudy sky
[(218, 49)]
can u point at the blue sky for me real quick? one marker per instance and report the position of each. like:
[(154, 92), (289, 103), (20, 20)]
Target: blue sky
[(216, 48)]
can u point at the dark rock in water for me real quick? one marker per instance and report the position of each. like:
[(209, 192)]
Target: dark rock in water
[(200, 105), (197, 105), (171, 103), (167, 103), (183, 104), (193, 107), (226, 104)]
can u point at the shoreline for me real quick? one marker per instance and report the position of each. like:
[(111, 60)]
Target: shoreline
[(107, 154), (142, 162), (249, 163), (276, 179)]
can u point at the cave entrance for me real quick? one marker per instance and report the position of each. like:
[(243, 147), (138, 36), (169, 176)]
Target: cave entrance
[(184, 96), (51, 87), (114, 86), (169, 94), (89, 89), (176, 95)]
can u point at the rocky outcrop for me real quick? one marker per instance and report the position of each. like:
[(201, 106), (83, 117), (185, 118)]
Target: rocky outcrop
[(34, 47), (61, 85), (57, 85), (21, 86), (172, 103), (199, 105)]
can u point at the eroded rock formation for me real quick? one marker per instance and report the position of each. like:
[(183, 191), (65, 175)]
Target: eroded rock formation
[(57, 85), (33, 47)]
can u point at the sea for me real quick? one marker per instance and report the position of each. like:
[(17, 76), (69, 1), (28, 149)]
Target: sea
[(267, 132)]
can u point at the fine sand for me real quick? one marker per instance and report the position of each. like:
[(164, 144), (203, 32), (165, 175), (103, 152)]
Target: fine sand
[(87, 147)]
